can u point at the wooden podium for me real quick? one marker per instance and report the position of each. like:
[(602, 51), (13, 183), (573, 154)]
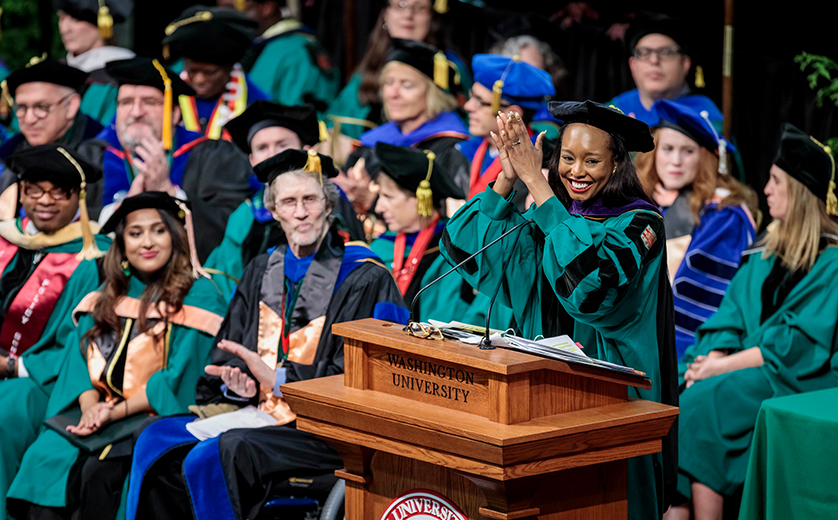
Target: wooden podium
[(502, 434)]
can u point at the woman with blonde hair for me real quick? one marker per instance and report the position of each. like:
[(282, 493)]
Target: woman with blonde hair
[(774, 334), (709, 216), (415, 88)]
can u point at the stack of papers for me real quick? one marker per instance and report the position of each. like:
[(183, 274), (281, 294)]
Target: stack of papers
[(247, 417), (561, 348)]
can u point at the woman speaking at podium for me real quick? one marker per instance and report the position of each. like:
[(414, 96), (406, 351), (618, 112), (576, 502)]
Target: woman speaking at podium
[(593, 264)]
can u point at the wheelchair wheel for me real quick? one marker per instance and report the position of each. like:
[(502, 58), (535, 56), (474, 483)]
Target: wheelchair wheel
[(333, 508)]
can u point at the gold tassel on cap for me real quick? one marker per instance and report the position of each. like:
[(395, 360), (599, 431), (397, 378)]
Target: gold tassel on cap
[(497, 90), (831, 199), (424, 195), (89, 249), (441, 6), (240, 4), (699, 77), (6, 100), (441, 70), (197, 270), (313, 165), (167, 105), (324, 131), (105, 21)]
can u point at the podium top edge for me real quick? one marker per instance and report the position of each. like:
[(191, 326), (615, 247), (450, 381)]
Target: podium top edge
[(498, 361)]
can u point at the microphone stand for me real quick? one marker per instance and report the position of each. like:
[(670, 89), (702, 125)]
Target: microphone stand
[(486, 342)]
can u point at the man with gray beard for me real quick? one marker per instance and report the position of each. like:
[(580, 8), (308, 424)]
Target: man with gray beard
[(146, 150)]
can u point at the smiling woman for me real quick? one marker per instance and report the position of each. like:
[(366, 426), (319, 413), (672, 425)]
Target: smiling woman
[(592, 267)]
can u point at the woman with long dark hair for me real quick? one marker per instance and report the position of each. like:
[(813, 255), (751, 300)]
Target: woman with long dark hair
[(593, 264), (145, 338)]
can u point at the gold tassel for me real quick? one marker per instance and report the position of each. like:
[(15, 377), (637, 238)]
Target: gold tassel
[(167, 105), (441, 6), (6, 100), (831, 200), (497, 90), (313, 165), (197, 270), (441, 70), (424, 195), (89, 250), (699, 77), (240, 4), (324, 132), (105, 21), (167, 52)]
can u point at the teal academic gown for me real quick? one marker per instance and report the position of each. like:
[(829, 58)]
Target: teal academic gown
[(23, 400), (798, 343), (47, 465), (606, 273)]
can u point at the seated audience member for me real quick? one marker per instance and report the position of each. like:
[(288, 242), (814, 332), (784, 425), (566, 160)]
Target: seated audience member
[(264, 130), (87, 37), (146, 334), (45, 257), (540, 55), (774, 333), (506, 84), (145, 150), (708, 215), (419, 107), (659, 60), (296, 292), (358, 107), (286, 60), (211, 41), (46, 105)]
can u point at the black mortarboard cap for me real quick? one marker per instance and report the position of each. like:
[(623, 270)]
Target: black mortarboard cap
[(47, 163), (371, 162), (47, 71), (158, 200), (292, 161), (88, 10), (301, 119), (657, 23), (634, 132), (408, 167), (141, 71), (806, 160), (210, 34), (425, 58)]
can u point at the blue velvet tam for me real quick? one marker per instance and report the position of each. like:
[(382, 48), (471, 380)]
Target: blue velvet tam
[(522, 84), (690, 123)]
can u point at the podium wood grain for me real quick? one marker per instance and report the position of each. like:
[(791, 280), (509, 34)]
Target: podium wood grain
[(503, 434)]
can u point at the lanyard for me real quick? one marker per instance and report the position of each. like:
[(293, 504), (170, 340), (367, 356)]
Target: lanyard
[(404, 273)]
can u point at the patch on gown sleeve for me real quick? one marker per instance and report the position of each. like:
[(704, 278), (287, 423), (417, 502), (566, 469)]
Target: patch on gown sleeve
[(649, 237)]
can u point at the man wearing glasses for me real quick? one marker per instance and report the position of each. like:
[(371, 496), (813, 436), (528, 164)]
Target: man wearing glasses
[(46, 106), (660, 63), (47, 266), (500, 84), (146, 150)]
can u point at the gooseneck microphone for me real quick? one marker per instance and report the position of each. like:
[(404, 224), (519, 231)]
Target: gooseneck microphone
[(490, 244)]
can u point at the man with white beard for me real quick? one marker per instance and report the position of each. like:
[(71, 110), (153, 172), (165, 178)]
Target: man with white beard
[(146, 150)]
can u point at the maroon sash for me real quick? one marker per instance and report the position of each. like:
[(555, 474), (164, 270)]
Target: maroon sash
[(29, 312)]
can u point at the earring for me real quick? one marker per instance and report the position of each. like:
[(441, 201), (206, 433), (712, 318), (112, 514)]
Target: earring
[(125, 268), (614, 170), (385, 26)]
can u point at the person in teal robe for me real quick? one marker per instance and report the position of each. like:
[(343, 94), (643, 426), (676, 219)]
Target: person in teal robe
[(774, 333), (211, 41), (148, 364), (410, 247), (44, 258), (592, 263)]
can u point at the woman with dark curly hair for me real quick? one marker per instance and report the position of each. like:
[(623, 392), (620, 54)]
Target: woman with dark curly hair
[(145, 338), (593, 265)]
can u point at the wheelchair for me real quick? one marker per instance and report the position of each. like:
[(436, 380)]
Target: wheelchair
[(316, 498)]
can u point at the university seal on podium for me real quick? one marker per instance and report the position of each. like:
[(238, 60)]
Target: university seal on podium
[(421, 504)]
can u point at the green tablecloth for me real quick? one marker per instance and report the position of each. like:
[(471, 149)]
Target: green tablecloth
[(794, 459)]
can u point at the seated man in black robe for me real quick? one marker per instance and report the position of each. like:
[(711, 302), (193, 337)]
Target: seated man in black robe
[(277, 330)]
